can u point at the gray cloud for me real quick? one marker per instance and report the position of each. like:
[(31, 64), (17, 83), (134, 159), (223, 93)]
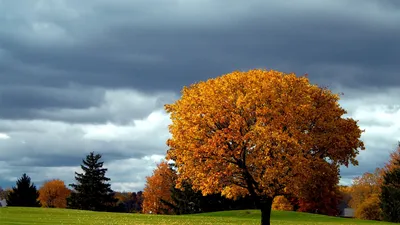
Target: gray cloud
[(118, 45)]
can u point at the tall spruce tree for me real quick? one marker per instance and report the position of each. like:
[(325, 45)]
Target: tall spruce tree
[(92, 191), (24, 193), (390, 195)]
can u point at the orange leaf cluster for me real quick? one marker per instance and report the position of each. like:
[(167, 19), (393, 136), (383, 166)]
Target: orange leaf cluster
[(281, 203), (369, 209), (53, 194), (364, 187), (158, 187), (259, 132)]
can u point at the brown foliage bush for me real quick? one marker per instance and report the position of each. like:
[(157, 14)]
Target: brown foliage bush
[(281, 203), (53, 194), (369, 209)]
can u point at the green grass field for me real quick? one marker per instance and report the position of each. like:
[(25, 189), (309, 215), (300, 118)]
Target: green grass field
[(15, 215)]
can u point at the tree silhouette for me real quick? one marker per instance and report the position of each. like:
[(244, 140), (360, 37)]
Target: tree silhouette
[(390, 196), (24, 193), (92, 192)]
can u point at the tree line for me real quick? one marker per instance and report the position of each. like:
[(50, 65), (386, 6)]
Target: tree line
[(91, 191), (376, 195), (373, 196)]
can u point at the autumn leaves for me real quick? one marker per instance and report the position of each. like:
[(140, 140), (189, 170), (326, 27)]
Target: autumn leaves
[(260, 133), (53, 194)]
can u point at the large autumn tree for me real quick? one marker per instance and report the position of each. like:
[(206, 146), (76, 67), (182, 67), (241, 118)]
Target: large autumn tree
[(261, 133), (53, 194)]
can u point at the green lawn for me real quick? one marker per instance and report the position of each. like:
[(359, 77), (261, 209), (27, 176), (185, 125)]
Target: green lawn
[(14, 215)]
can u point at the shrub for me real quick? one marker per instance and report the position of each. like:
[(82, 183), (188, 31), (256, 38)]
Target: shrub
[(281, 203), (369, 209)]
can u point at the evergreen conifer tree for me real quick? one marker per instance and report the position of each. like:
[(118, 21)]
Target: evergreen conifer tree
[(24, 193), (390, 195), (92, 190)]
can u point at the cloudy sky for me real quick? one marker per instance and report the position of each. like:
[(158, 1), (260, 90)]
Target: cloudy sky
[(79, 76)]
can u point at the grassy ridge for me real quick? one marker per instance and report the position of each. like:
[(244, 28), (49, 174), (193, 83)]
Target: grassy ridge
[(15, 215)]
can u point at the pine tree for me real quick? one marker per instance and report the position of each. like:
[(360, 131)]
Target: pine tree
[(92, 191), (24, 193), (390, 195)]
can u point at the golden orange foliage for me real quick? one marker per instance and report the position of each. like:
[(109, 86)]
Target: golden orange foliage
[(369, 209), (53, 194), (157, 188), (260, 133), (281, 203), (364, 187)]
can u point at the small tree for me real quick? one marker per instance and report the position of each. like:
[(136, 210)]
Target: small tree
[(92, 192), (157, 192), (5, 193), (53, 194), (363, 189), (390, 194), (24, 193), (369, 209), (281, 203), (259, 133)]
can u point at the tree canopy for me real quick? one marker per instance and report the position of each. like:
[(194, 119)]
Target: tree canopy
[(24, 194), (92, 190), (158, 187), (262, 133), (53, 194), (364, 187)]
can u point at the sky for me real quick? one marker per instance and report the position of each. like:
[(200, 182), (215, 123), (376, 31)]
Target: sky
[(80, 76)]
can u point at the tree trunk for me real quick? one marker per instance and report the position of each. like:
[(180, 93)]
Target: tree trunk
[(265, 206)]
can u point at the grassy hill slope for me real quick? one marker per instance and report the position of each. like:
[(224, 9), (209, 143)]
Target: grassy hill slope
[(15, 215)]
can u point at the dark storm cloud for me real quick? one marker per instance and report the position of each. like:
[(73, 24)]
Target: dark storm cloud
[(78, 104), (168, 49), (22, 101), (41, 97), (45, 159), (368, 162)]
